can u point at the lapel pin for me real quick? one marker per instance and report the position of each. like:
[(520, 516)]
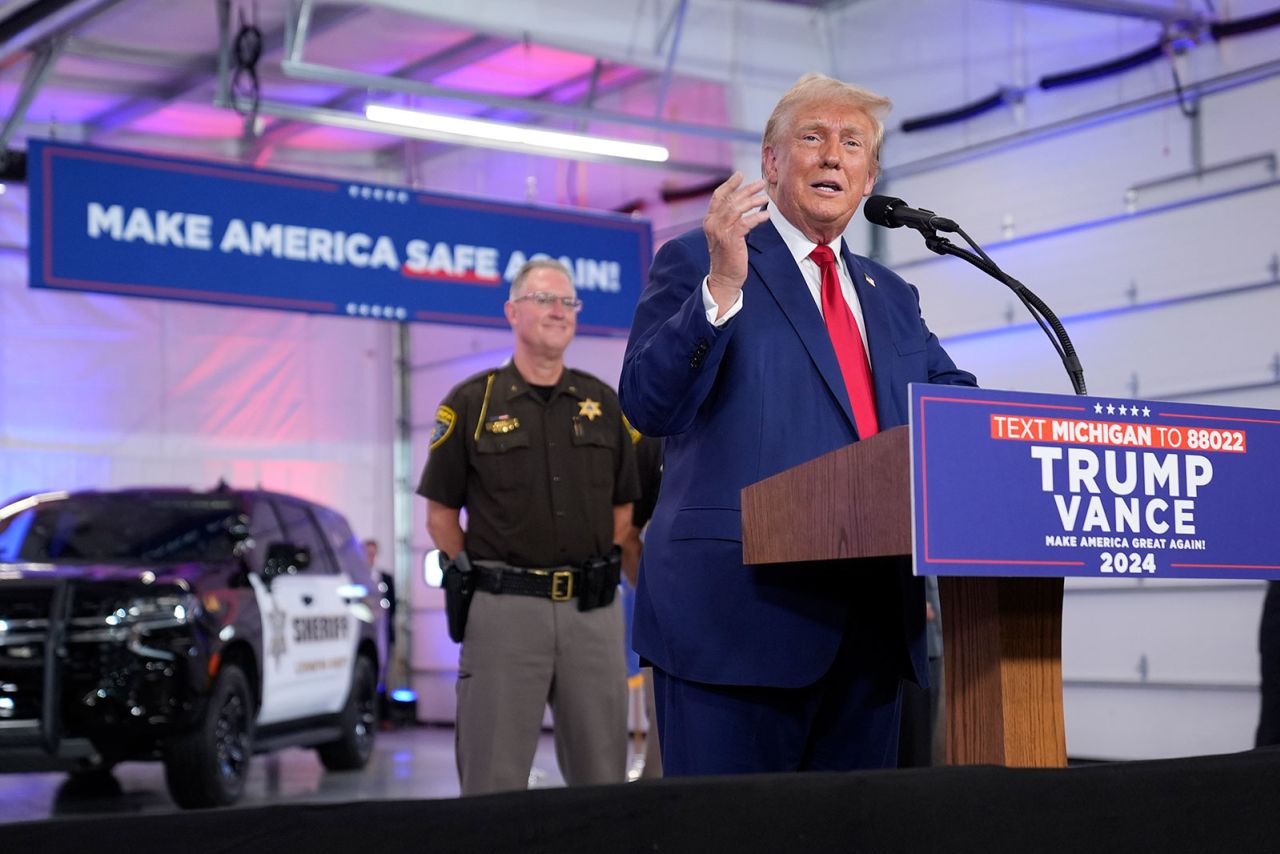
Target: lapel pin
[(870, 281)]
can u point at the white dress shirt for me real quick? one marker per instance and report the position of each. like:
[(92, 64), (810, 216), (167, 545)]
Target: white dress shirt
[(800, 247)]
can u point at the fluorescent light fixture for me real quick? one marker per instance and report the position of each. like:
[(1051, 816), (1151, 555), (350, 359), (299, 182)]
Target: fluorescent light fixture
[(512, 137)]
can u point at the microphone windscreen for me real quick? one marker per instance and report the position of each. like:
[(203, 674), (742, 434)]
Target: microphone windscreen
[(878, 209)]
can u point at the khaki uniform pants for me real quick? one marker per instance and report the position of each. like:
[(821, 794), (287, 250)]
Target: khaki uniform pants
[(521, 653)]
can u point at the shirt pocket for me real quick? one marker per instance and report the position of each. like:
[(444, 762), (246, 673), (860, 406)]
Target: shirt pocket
[(597, 448), (503, 460)]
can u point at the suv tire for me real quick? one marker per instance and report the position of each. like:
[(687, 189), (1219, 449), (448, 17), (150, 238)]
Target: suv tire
[(359, 722), (207, 766)]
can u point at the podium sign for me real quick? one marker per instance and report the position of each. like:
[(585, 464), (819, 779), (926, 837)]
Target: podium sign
[(1017, 484)]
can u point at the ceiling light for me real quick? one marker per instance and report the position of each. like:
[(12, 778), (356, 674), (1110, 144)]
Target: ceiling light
[(512, 137)]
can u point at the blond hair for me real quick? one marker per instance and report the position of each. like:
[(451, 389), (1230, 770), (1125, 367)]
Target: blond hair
[(819, 87)]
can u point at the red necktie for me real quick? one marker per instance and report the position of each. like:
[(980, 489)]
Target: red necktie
[(847, 342)]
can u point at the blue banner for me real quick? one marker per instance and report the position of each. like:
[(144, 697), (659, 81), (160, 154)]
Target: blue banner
[(1015, 484), (138, 225)]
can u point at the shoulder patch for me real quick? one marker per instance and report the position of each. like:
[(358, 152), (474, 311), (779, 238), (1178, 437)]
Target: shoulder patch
[(445, 419)]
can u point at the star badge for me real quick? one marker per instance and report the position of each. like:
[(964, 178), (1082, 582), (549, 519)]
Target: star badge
[(590, 409), (278, 645)]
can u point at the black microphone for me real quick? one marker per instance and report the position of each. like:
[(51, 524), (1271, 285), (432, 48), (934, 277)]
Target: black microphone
[(894, 213)]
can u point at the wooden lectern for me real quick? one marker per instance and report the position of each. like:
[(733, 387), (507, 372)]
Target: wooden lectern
[(1002, 636)]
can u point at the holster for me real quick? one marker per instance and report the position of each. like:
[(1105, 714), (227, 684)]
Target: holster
[(599, 580), (459, 586)]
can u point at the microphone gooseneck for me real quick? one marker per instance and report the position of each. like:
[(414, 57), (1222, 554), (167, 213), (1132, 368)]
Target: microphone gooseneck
[(890, 212)]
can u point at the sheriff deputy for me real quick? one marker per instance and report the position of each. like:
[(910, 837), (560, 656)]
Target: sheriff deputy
[(542, 459)]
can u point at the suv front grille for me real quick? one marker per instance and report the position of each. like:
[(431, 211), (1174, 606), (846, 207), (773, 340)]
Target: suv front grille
[(26, 612), (20, 602)]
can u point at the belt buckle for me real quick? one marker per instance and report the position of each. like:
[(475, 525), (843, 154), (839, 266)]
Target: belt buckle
[(561, 585)]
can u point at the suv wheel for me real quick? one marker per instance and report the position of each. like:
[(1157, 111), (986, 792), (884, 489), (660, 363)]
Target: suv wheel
[(207, 767), (359, 722)]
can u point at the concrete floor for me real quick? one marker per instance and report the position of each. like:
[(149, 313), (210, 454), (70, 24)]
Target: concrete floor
[(414, 762)]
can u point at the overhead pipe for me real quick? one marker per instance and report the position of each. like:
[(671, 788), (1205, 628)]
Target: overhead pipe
[(968, 111), (39, 22), (1214, 85), (1103, 69)]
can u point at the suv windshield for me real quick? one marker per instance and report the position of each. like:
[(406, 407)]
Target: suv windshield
[(135, 528)]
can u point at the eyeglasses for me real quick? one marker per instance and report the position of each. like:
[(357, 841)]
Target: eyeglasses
[(542, 299)]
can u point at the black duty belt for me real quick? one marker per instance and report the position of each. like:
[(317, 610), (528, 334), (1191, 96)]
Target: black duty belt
[(557, 583)]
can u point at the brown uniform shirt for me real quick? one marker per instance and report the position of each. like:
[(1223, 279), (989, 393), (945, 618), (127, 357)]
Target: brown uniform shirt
[(539, 480)]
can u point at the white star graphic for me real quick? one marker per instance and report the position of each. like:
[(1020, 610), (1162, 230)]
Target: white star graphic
[(1110, 409), (1097, 407), (1145, 411)]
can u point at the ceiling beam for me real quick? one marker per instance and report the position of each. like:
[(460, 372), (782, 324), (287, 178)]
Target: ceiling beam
[(129, 55), (42, 63), (470, 50), (355, 79), (344, 119), (1124, 8), (199, 74), (668, 70), (106, 85), (593, 89), (720, 37)]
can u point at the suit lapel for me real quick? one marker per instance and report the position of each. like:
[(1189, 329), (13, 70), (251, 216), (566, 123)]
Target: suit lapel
[(777, 271), (880, 349)]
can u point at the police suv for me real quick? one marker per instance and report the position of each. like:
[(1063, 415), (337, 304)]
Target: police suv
[(192, 627)]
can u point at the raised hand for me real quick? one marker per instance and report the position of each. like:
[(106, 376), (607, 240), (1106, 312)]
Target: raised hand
[(734, 211)]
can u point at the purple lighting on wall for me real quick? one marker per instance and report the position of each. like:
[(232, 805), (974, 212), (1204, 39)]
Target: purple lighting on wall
[(518, 71)]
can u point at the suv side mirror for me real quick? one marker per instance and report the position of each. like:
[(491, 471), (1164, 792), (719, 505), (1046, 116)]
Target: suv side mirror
[(285, 559)]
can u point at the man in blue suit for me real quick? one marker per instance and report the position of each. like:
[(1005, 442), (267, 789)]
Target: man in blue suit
[(749, 357)]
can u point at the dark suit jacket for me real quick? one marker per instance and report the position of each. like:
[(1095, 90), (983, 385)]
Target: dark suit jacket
[(737, 404)]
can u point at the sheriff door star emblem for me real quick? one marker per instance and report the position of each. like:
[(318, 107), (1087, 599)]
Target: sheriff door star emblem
[(277, 646), (590, 409)]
